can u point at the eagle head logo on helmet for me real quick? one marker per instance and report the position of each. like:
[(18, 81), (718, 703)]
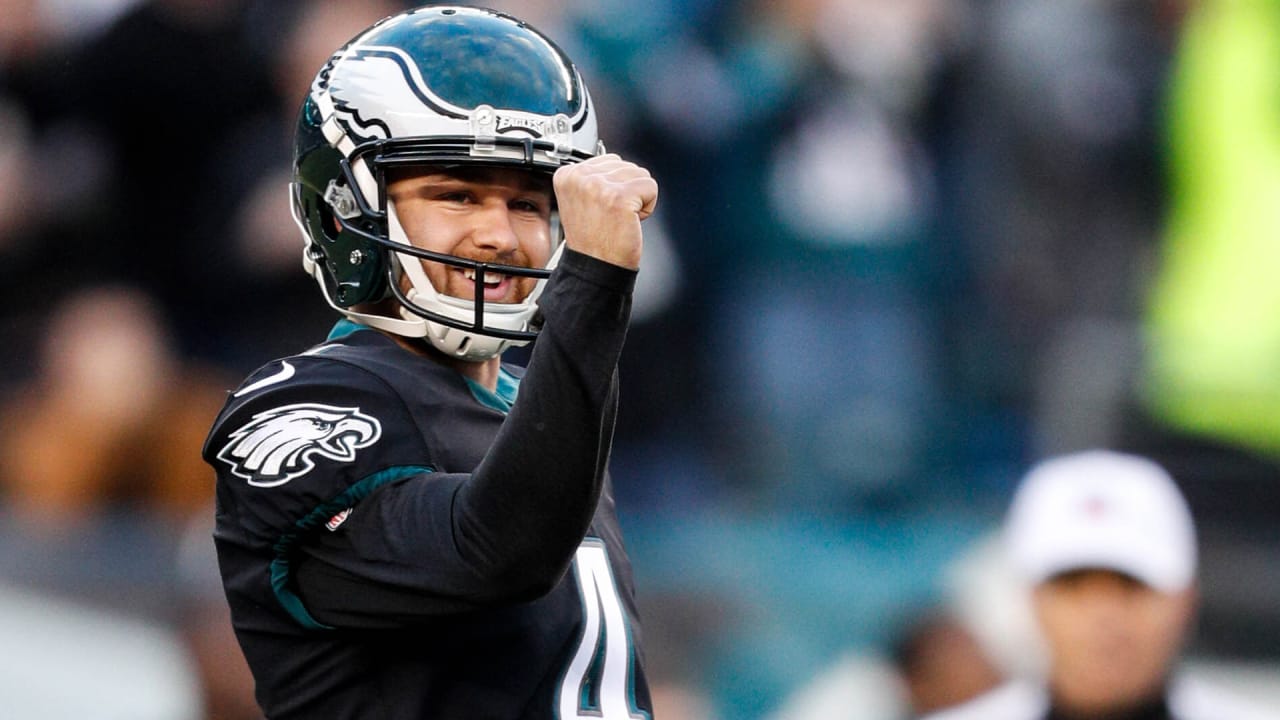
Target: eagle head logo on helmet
[(279, 445)]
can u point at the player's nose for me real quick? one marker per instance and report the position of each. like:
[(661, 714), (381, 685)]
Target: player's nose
[(494, 229)]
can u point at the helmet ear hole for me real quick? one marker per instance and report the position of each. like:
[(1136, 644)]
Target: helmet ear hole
[(328, 222)]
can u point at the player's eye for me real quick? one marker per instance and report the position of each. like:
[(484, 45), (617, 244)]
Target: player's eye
[(454, 196), (526, 205)]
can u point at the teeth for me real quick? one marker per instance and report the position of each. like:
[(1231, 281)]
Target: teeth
[(489, 278)]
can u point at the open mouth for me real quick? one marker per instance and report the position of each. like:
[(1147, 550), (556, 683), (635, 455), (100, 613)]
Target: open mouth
[(496, 285)]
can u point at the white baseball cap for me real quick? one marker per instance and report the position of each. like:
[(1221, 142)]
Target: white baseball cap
[(1106, 510)]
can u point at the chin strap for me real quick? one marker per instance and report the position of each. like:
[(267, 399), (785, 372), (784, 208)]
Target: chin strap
[(466, 345)]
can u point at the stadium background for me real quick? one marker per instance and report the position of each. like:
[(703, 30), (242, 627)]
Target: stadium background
[(904, 249)]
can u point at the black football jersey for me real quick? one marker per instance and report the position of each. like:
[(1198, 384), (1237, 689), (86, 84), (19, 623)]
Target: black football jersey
[(397, 541)]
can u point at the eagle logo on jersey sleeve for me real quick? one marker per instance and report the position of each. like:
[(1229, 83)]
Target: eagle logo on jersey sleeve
[(279, 445)]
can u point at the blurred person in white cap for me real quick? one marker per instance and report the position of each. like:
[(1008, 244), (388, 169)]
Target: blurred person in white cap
[(1105, 547)]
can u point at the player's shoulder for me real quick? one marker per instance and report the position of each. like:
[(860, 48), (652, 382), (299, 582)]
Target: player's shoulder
[(331, 400), (336, 369), (1016, 700), (353, 361)]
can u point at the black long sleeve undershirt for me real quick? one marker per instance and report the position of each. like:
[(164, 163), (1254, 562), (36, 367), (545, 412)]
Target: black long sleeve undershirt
[(525, 509)]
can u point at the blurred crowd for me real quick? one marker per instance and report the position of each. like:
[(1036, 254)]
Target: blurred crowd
[(905, 248)]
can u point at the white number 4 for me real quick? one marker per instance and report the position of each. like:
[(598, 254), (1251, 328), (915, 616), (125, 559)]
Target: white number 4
[(598, 684)]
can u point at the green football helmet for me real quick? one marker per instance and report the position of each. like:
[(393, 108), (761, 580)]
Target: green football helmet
[(434, 86)]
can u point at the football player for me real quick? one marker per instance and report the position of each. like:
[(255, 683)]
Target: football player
[(398, 535)]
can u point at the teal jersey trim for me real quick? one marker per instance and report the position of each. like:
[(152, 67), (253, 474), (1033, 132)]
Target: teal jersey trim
[(282, 565), (343, 328), (501, 399)]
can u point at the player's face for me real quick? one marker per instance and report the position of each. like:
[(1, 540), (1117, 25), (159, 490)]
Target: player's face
[(495, 215), (1111, 639)]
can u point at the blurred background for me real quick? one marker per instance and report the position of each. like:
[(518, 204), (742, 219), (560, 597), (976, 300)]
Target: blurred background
[(904, 249)]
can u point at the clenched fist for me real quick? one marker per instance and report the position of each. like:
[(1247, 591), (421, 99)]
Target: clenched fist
[(601, 202)]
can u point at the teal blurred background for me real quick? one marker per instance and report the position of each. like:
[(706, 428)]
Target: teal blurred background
[(903, 250)]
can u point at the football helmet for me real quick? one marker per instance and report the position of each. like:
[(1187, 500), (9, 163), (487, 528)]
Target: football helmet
[(435, 86)]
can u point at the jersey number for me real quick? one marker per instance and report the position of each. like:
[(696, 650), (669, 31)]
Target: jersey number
[(598, 684)]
